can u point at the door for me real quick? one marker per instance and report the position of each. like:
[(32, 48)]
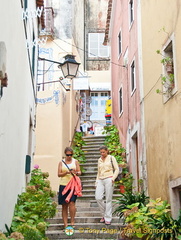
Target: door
[(98, 105)]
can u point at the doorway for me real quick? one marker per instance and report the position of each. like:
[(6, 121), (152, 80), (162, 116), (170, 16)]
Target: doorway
[(98, 105)]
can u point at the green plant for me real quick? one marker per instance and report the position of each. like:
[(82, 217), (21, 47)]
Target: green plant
[(128, 198), (127, 181), (78, 142), (113, 143), (152, 221), (77, 145), (165, 59), (167, 79), (33, 207), (168, 83)]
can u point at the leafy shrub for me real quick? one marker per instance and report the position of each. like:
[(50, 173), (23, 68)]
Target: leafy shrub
[(113, 143), (152, 221), (79, 154), (33, 207), (128, 198)]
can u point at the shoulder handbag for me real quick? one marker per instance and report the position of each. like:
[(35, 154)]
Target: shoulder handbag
[(118, 178), (71, 172)]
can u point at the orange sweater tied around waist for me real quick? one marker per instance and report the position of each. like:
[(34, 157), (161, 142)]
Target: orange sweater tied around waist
[(75, 187)]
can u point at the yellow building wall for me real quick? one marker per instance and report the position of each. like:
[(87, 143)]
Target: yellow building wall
[(162, 119), (55, 122)]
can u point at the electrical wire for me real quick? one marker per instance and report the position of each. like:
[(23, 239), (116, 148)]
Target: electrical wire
[(100, 58), (151, 89)]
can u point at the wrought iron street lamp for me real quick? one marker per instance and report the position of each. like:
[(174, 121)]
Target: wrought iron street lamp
[(69, 67)]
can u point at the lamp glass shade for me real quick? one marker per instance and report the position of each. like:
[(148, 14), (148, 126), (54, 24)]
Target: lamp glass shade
[(69, 67)]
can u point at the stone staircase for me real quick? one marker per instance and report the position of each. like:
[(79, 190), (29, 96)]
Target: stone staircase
[(87, 215)]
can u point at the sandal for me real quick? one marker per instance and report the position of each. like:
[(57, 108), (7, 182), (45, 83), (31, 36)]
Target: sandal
[(107, 223), (102, 220)]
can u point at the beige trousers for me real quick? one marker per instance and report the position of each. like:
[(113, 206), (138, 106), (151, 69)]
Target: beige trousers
[(105, 186)]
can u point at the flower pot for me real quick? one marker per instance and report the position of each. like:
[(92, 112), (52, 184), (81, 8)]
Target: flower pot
[(169, 68), (122, 188)]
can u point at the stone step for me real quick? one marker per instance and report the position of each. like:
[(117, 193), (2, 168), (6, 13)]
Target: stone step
[(83, 203), (92, 196), (81, 233), (94, 138), (85, 214), (59, 226), (90, 182), (92, 159), (88, 177), (88, 173), (92, 150), (92, 168), (88, 164), (94, 147), (81, 209), (82, 220), (91, 147)]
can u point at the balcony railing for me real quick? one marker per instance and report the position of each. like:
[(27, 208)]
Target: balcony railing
[(46, 27)]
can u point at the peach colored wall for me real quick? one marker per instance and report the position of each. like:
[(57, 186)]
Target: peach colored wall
[(54, 132), (128, 122)]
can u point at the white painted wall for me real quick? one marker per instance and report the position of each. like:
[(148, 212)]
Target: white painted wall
[(17, 107)]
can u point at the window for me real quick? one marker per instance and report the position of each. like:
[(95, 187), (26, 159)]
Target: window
[(120, 100), (131, 11), (133, 85), (119, 43), (168, 76), (96, 47)]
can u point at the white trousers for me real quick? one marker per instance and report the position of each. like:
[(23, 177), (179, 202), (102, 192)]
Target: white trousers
[(105, 186)]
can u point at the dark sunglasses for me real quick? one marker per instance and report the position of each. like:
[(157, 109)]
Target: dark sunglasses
[(68, 155)]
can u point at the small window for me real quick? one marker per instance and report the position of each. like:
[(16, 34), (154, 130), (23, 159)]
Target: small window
[(131, 11), (96, 47), (168, 76), (119, 43), (133, 85), (120, 100)]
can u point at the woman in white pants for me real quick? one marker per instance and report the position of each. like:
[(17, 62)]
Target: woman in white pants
[(105, 183)]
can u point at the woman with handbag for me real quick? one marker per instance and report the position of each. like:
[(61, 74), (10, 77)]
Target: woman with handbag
[(108, 170), (67, 168)]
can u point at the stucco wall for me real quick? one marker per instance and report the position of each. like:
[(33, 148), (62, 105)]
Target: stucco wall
[(129, 120), (162, 120), (49, 136), (16, 110), (54, 132), (55, 123)]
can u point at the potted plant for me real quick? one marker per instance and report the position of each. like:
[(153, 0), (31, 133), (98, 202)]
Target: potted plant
[(167, 61), (168, 84)]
